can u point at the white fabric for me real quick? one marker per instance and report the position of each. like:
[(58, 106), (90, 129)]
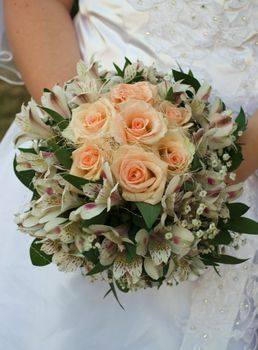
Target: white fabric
[(46, 309)]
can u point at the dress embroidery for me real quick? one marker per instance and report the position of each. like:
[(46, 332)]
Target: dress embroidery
[(197, 32)]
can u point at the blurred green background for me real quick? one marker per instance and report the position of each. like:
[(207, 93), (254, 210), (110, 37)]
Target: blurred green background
[(11, 99)]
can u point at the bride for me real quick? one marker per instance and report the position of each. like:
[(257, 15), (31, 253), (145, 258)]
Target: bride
[(46, 309)]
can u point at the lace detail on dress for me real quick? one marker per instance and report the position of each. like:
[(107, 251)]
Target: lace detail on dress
[(203, 33), (228, 304), (246, 326)]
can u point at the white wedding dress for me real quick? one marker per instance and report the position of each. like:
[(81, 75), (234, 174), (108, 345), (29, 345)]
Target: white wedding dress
[(41, 308)]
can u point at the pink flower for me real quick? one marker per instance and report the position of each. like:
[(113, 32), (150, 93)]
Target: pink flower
[(139, 91), (139, 122), (176, 116), (142, 175), (87, 162)]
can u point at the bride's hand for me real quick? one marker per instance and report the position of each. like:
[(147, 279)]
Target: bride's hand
[(250, 150), (43, 40)]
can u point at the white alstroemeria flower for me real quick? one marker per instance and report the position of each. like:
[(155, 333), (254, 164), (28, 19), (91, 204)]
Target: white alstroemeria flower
[(34, 229), (31, 161), (89, 70), (40, 162), (112, 250), (154, 271), (108, 252), (184, 269), (111, 82), (220, 130), (53, 201), (203, 93), (57, 101), (87, 211), (30, 120), (91, 190), (64, 230), (198, 112), (107, 197), (169, 198), (86, 86), (109, 193), (154, 244), (234, 191), (179, 87), (216, 107), (67, 262), (160, 251), (163, 88), (157, 247), (123, 267), (142, 241), (113, 242), (181, 241), (50, 247)]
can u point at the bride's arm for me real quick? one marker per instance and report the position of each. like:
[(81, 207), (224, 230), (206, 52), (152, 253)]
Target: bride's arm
[(43, 40), (250, 149)]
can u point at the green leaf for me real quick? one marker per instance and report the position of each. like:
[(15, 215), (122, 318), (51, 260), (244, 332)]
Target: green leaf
[(127, 63), (209, 263), (237, 209), (149, 212), (222, 259), (186, 79), (190, 73), (97, 269), (169, 95), (189, 186), (92, 255), (106, 294), (96, 220), (120, 73), (139, 222), (196, 163), (62, 153), (236, 156), (25, 176), (60, 121), (76, 181), (243, 225), (37, 256), (27, 150), (112, 287), (223, 237), (124, 290), (46, 90), (241, 121), (130, 250), (64, 156)]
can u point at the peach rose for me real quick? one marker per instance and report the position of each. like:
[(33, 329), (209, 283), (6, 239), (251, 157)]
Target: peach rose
[(177, 151), (139, 122), (142, 175), (176, 116), (92, 120), (138, 91), (87, 162)]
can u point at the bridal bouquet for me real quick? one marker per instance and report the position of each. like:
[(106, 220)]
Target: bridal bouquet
[(129, 173)]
